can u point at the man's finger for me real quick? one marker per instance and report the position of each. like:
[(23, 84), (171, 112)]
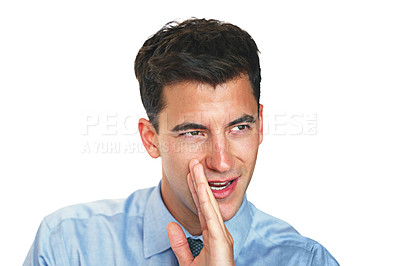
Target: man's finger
[(179, 244), (195, 196), (192, 163), (195, 184), (215, 228), (201, 178), (193, 191), (196, 201)]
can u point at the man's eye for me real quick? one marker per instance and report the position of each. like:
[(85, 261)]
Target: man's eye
[(240, 127), (191, 133)]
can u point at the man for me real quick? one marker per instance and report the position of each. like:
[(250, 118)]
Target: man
[(200, 85)]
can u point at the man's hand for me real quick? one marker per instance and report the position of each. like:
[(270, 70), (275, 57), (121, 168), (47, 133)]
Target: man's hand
[(217, 241)]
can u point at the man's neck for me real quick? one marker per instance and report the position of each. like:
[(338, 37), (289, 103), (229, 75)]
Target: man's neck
[(184, 215)]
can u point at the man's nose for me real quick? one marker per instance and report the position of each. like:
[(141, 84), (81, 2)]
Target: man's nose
[(219, 158)]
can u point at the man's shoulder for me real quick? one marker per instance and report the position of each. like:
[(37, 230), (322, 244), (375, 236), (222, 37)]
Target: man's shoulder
[(134, 205), (278, 241), (85, 233), (278, 232)]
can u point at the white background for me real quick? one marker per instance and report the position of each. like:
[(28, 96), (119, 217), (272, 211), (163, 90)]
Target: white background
[(64, 61)]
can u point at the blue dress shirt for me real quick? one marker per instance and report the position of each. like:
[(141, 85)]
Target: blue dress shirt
[(133, 232)]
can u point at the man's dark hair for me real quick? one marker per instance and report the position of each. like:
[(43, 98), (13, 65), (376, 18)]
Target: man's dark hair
[(200, 50)]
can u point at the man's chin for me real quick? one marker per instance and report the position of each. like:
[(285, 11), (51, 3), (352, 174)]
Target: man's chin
[(228, 210)]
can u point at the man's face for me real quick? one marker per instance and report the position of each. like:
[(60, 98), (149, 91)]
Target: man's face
[(218, 126)]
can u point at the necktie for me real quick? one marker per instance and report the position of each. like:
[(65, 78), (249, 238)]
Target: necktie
[(195, 246)]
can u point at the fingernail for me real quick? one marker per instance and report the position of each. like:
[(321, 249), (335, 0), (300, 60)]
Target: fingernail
[(193, 163)]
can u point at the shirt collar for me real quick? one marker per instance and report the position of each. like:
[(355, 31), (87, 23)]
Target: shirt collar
[(157, 216), (239, 226)]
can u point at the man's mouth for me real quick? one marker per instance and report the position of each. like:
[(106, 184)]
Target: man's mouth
[(223, 189), (219, 185)]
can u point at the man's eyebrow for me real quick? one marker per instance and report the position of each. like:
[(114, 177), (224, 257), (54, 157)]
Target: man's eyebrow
[(244, 118), (186, 126)]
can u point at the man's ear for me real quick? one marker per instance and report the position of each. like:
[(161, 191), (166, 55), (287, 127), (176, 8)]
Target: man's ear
[(260, 121), (149, 137)]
